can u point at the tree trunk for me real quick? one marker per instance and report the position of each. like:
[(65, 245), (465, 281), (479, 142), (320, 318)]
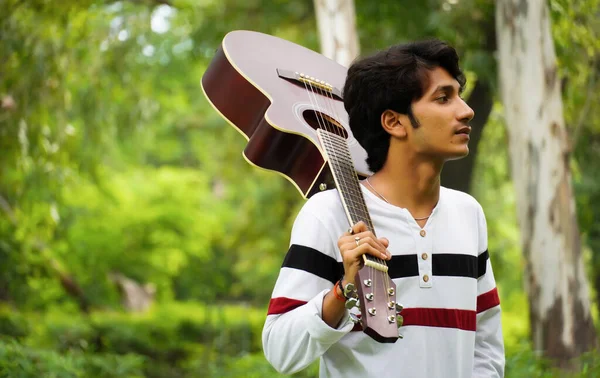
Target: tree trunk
[(336, 20), (458, 174), (556, 283)]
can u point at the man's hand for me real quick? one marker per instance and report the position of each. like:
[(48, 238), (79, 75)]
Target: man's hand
[(354, 244)]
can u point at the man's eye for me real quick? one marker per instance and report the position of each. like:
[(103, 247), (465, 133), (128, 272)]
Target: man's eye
[(442, 99)]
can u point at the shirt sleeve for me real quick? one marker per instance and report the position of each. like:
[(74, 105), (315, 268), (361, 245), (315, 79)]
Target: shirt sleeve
[(294, 334), (489, 345)]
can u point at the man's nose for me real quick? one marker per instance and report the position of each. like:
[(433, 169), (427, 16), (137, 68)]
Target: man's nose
[(465, 114)]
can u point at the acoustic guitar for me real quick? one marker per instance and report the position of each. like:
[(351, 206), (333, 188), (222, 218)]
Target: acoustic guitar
[(286, 100)]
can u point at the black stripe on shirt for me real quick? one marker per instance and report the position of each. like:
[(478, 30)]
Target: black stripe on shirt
[(444, 264), (447, 264), (482, 263), (403, 266), (313, 261)]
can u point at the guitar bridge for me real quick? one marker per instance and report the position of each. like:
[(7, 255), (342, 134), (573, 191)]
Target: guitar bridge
[(301, 79)]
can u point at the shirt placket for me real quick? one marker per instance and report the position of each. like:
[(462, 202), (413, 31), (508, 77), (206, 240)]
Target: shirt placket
[(424, 257)]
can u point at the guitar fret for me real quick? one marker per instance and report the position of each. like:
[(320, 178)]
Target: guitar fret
[(359, 211), (340, 162), (356, 198)]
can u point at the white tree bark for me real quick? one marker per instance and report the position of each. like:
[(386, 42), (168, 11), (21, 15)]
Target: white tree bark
[(556, 281), (336, 20)]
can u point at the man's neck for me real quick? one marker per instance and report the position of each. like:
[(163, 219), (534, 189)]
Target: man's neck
[(409, 183)]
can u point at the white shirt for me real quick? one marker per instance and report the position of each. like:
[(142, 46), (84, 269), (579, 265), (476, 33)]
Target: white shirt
[(444, 280)]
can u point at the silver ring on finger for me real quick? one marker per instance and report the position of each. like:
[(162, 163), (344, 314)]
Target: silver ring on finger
[(357, 240)]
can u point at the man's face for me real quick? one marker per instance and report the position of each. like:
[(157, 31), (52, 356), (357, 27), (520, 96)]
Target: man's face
[(443, 117)]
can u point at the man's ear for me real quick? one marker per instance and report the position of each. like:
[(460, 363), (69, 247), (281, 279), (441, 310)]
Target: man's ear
[(394, 123)]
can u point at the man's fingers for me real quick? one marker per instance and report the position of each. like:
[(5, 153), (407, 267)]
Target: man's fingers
[(368, 249), (359, 227), (358, 236), (385, 242), (366, 245), (368, 236)]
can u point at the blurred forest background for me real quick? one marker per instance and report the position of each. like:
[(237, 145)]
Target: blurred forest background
[(135, 241)]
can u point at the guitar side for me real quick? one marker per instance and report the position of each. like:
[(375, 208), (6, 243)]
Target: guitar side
[(243, 105)]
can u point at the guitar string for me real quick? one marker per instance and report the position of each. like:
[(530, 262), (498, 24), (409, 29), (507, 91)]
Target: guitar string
[(330, 142), (323, 124), (320, 120), (331, 107), (327, 139), (314, 104), (371, 272), (333, 131)]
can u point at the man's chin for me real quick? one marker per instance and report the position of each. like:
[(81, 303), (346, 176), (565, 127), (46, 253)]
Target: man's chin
[(458, 154)]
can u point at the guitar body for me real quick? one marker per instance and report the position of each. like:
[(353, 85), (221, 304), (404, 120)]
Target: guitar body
[(276, 115), (287, 101)]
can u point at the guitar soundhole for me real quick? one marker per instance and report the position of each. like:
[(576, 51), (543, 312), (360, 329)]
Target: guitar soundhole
[(318, 120)]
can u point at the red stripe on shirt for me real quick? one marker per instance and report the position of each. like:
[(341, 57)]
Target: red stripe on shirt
[(488, 300), (426, 317), (281, 305), (438, 317)]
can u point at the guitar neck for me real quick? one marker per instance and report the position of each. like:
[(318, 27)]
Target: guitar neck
[(344, 175)]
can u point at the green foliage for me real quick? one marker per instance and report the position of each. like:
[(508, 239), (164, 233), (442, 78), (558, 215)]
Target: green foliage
[(112, 161), (137, 227), (12, 325), (523, 362), (18, 361), (251, 366), (196, 340), (173, 340), (93, 167)]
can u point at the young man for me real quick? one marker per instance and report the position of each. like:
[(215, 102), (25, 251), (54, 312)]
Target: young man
[(405, 109)]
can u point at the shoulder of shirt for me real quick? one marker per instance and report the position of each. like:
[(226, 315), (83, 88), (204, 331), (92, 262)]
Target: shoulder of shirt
[(324, 205), (460, 198), (326, 200)]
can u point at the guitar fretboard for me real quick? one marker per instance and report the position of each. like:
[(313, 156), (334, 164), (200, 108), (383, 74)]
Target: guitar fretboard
[(346, 180)]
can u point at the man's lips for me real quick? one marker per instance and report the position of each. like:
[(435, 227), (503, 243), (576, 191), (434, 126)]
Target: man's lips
[(464, 130)]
